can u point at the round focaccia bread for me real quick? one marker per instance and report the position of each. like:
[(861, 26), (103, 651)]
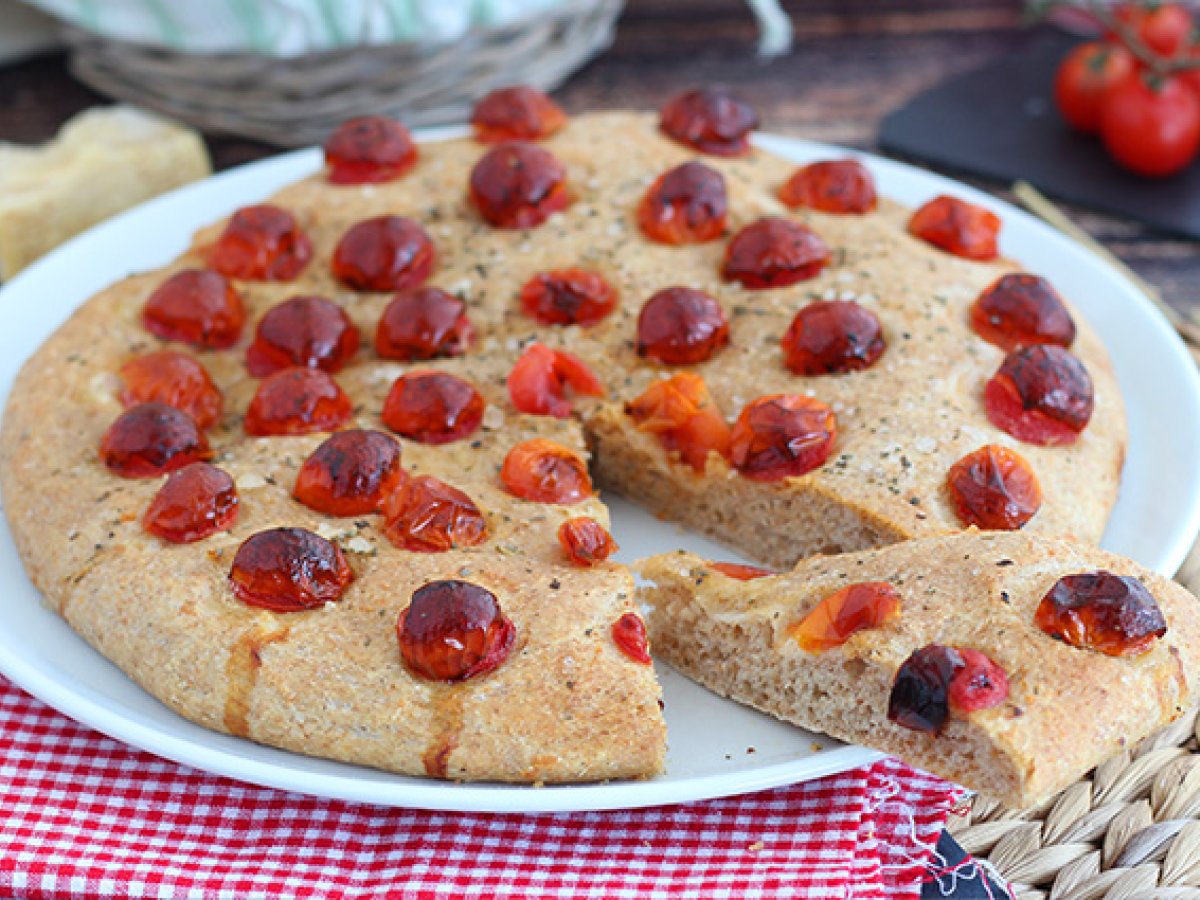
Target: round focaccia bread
[(567, 704), (902, 423)]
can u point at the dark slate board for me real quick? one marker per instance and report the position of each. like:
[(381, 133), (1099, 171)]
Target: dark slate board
[(1000, 122)]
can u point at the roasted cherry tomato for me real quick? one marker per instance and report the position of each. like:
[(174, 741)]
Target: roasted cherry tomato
[(681, 326), (175, 379), (426, 515), (297, 401), (197, 307), (710, 120), (686, 205), (585, 541), (289, 570), (840, 186), (518, 185), (433, 407), (386, 253), (452, 631), (350, 474), (681, 413), (782, 436), (422, 324), (369, 149), (545, 472), (772, 253), (150, 439), (958, 227), (194, 502), (540, 378), (568, 297), (520, 113), (303, 331), (261, 243)]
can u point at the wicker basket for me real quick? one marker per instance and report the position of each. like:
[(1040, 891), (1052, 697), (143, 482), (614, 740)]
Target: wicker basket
[(298, 101)]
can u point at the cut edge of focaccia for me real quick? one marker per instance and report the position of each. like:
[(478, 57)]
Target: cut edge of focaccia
[(1067, 709)]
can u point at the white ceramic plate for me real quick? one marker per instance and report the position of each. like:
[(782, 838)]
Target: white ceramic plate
[(717, 747)]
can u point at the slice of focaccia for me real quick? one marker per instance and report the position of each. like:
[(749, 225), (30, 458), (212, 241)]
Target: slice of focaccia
[(1009, 664)]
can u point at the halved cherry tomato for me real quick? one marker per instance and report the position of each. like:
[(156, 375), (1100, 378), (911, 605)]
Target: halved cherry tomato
[(539, 380), (681, 413)]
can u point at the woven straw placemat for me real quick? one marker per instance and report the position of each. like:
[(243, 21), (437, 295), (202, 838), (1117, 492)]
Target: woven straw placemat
[(1130, 830)]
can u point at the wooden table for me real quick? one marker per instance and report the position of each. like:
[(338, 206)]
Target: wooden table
[(854, 60)]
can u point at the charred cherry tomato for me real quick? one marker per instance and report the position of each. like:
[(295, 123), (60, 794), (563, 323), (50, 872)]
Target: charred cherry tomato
[(844, 613), (194, 502), (568, 297), (310, 332), (1041, 395), (629, 634), (958, 227), (782, 436), (1084, 76), (289, 570), (196, 307), (686, 205), (297, 401), (829, 337), (429, 516), (520, 113), (710, 120), (773, 253), (741, 572), (681, 326), (368, 150), (150, 439), (1019, 309), (681, 413), (175, 379), (261, 243), (433, 407), (539, 380), (387, 253), (1112, 614), (350, 474), (453, 630), (994, 488), (585, 541), (423, 324), (545, 472), (840, 186), (937, 679), (518, 185)]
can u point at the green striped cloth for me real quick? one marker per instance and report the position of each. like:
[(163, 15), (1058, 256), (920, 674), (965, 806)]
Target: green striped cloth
[(286, 27)]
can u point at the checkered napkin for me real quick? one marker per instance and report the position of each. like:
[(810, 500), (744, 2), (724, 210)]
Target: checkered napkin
[(85, 816)]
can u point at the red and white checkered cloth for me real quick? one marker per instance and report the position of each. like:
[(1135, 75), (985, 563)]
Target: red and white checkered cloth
[(84, 816)]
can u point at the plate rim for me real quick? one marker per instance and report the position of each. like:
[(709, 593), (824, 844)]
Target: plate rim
[(125, 724)]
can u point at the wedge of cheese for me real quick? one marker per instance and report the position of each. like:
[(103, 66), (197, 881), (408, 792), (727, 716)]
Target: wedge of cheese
[(103, 161)]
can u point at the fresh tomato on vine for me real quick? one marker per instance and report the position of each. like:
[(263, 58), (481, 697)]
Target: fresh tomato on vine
[(1164, 28), (1084, 77), (1150, 124)]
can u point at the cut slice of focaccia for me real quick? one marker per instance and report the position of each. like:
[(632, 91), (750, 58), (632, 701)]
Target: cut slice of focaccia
[(1007, 663)]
